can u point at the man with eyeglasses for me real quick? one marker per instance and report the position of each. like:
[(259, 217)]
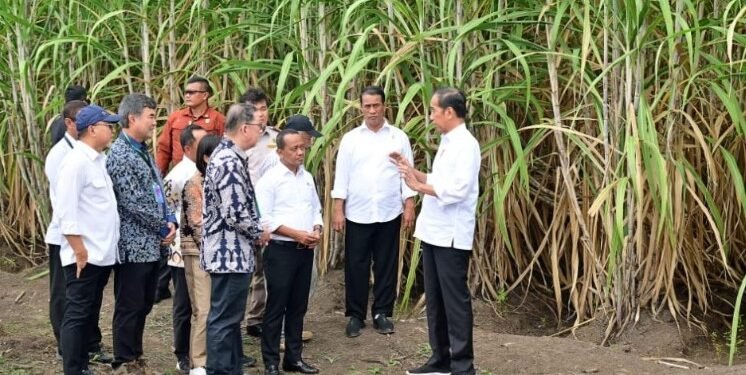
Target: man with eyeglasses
[(231, 235), (89, 221), (170, 152)]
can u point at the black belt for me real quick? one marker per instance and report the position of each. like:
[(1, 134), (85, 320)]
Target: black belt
[(293, 244)]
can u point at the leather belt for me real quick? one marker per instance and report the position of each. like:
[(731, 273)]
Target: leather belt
[(293, 244)]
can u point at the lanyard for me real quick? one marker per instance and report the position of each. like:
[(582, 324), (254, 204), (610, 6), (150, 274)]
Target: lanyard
[(68, 141)]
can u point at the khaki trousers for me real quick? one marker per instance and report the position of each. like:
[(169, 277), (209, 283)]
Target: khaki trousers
[(258, 296), (198, 284)]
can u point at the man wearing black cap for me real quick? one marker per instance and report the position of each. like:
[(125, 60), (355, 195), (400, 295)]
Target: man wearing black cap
[(57, 129), (291, 210), (89, 221), (55, 239)]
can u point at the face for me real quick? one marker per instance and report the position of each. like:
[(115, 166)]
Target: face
[(251, 132), (261, 114), (191, 150), (142, 126), (71, 128), (294, 152), (373, 109), (195, 94), (438, 115), (102, 133)]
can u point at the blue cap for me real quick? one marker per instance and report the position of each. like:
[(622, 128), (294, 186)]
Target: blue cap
[(92, 114)]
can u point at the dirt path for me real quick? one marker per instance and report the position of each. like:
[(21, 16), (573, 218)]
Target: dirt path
[(27, 344)]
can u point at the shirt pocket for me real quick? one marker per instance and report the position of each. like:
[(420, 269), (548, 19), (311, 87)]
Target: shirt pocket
[(99, 193)]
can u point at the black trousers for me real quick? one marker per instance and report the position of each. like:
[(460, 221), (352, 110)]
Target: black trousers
[(84, 295), (57, 298), (287, 271), (228, 293), (164, 277), (182, 313), (378, 242), (134, 293), (449, 316)]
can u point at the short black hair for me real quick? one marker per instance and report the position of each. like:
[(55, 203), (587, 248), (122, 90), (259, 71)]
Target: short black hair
[(253, 95), (373, 91), (454, 98), (187, 135), (76, 92), (71, 109), (205, 147), (205, 83), (281, 137)]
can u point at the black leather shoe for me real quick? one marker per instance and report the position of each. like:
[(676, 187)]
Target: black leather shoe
[(300, 366), (254, 330), (271, 370), (383, 324), (247, 361), (353, 327)]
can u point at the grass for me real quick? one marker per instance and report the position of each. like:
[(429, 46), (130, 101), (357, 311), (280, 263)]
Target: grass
[(611, 132)]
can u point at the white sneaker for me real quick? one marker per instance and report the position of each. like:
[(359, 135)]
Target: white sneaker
[(198, 371)]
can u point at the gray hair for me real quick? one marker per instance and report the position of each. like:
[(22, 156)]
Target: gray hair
[(238, 114), (134, 104)]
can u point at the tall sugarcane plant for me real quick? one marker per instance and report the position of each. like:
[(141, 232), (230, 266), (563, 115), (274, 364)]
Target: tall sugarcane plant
[(611, 131)]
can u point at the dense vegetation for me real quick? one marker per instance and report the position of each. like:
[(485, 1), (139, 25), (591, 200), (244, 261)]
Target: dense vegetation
[(612, 131)]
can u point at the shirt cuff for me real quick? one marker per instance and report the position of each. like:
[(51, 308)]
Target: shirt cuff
[(339, 193), (69, 228)]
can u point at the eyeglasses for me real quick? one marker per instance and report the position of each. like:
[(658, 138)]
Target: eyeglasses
[(262, 127), (192, 92)]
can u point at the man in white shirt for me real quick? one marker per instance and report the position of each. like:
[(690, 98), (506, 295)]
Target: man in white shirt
[(89, 221), (54, 237), (173, 185), (369, 198), (291, 211), (446, 228)]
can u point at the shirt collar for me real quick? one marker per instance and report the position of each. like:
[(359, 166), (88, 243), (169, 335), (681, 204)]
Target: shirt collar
[(287, 170), (188, 112), (385, 126), (70, 138), (88, 151), (454, 133)]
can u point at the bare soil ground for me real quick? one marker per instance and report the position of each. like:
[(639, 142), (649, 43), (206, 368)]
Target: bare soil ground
[(516, 342)]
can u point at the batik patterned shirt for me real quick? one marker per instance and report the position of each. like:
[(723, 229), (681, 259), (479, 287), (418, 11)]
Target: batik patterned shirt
[(230, 219)]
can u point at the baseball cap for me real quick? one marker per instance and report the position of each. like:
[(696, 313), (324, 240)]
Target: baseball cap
[(91, 114), (302, 124)]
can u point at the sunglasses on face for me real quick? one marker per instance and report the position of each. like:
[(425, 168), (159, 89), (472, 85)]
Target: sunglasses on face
[(192, 92)]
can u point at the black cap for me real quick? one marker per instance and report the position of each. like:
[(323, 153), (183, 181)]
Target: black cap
[(302, 124)]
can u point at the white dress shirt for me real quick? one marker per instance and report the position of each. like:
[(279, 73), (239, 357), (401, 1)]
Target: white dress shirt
[(51, 168), (289, 199), (89, 207), (173, 184), (265, 148), (366, 179), (448, 219)]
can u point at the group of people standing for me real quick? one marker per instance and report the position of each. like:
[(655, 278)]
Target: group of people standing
[(237, 211)]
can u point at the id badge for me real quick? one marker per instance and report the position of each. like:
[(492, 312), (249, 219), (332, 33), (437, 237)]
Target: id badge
[(158, 193)]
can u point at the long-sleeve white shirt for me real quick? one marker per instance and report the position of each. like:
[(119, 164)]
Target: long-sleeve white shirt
[(51, 168), (289, 199), (448, 219), (88, 207), (173, 184), (366, 178)]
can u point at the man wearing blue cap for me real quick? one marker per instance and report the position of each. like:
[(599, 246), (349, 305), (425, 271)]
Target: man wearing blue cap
[(90, 223)]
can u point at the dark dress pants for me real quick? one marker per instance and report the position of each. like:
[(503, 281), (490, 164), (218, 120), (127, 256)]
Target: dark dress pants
[(449, 316), (287, 271), (164, 278), (227, 308), (182, 313), (83, 305), (134, 293), (378, 242), (57, 298)]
